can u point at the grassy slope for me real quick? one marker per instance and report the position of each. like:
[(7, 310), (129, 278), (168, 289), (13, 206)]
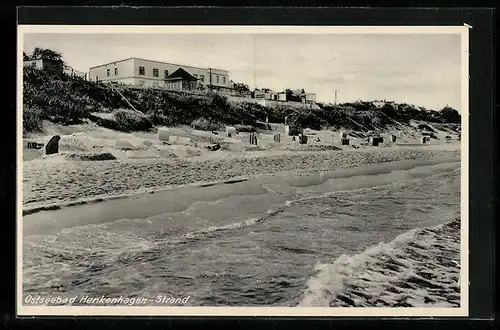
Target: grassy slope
[(66, 100)]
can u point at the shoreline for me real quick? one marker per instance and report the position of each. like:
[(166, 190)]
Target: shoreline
[(99, 181), (170, 218)]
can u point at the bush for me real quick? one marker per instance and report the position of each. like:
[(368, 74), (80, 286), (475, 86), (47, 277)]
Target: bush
[(32, 118), (204, 124), (59, 99), (65, 99), (130, 120), (160, 119)]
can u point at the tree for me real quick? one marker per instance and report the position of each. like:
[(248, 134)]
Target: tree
[(450, 115), (25, 57), (240, 87), (47, 54)]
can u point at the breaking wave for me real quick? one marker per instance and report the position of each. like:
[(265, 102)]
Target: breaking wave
[(418, 268)]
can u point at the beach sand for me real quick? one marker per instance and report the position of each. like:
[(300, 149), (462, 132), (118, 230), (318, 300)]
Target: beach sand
[(48, 182), (84, 170)]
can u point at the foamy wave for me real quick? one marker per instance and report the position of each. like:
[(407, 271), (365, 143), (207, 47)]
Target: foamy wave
[(202, 233), (305, 196), (418, 268), (214, 229)]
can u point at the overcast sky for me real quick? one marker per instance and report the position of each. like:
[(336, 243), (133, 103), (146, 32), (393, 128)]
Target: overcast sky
[(419, 69)]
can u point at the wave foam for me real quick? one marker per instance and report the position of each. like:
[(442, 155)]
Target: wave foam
[(418, 268), (201, 233)]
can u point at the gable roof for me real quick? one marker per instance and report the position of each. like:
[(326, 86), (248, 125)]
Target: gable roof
[(298, 91), (181, 74)]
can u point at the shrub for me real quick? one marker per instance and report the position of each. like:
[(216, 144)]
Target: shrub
[(130, 120), (59, 99), (204, 124), (159, 118), (67, 100), (32, 118)]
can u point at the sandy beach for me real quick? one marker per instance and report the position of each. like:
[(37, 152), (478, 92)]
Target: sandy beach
[(52, 181)]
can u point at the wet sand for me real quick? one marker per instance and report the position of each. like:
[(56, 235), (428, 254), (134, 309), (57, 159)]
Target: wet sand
[(47, 183)]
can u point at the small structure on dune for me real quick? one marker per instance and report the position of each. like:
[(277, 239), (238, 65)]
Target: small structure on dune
[(253, 138), (375, 140), (163, 134), (52, 146), (425, 139), (231, 131)]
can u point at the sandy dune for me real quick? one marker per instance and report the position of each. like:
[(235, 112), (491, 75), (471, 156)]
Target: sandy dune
[(94, 162)]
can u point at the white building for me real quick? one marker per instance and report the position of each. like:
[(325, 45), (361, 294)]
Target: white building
[(148, 73)]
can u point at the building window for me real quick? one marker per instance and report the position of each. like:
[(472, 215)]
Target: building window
[(202, 78), (116, 71), (155, 73), (142, 71), (217, 77), (107, 72), (223, 80), (166, 73)]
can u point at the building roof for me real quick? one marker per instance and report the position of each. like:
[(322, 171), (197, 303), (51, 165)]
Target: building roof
[(143, 59), (181, 74), (298, 91)]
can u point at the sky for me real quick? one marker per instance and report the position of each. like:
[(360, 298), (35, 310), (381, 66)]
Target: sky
[(420, 69)]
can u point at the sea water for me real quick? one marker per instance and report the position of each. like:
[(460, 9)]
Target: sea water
[(366, 237)]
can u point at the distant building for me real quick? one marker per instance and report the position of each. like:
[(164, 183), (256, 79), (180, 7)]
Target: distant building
[(270, 95), (310, 98), (148, 73), (300, 95), (265, 94), (259, 94), (44, 64), (281, 97), (242, 93)]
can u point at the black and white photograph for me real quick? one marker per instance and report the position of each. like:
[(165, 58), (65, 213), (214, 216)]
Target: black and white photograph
[(242, 170)]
